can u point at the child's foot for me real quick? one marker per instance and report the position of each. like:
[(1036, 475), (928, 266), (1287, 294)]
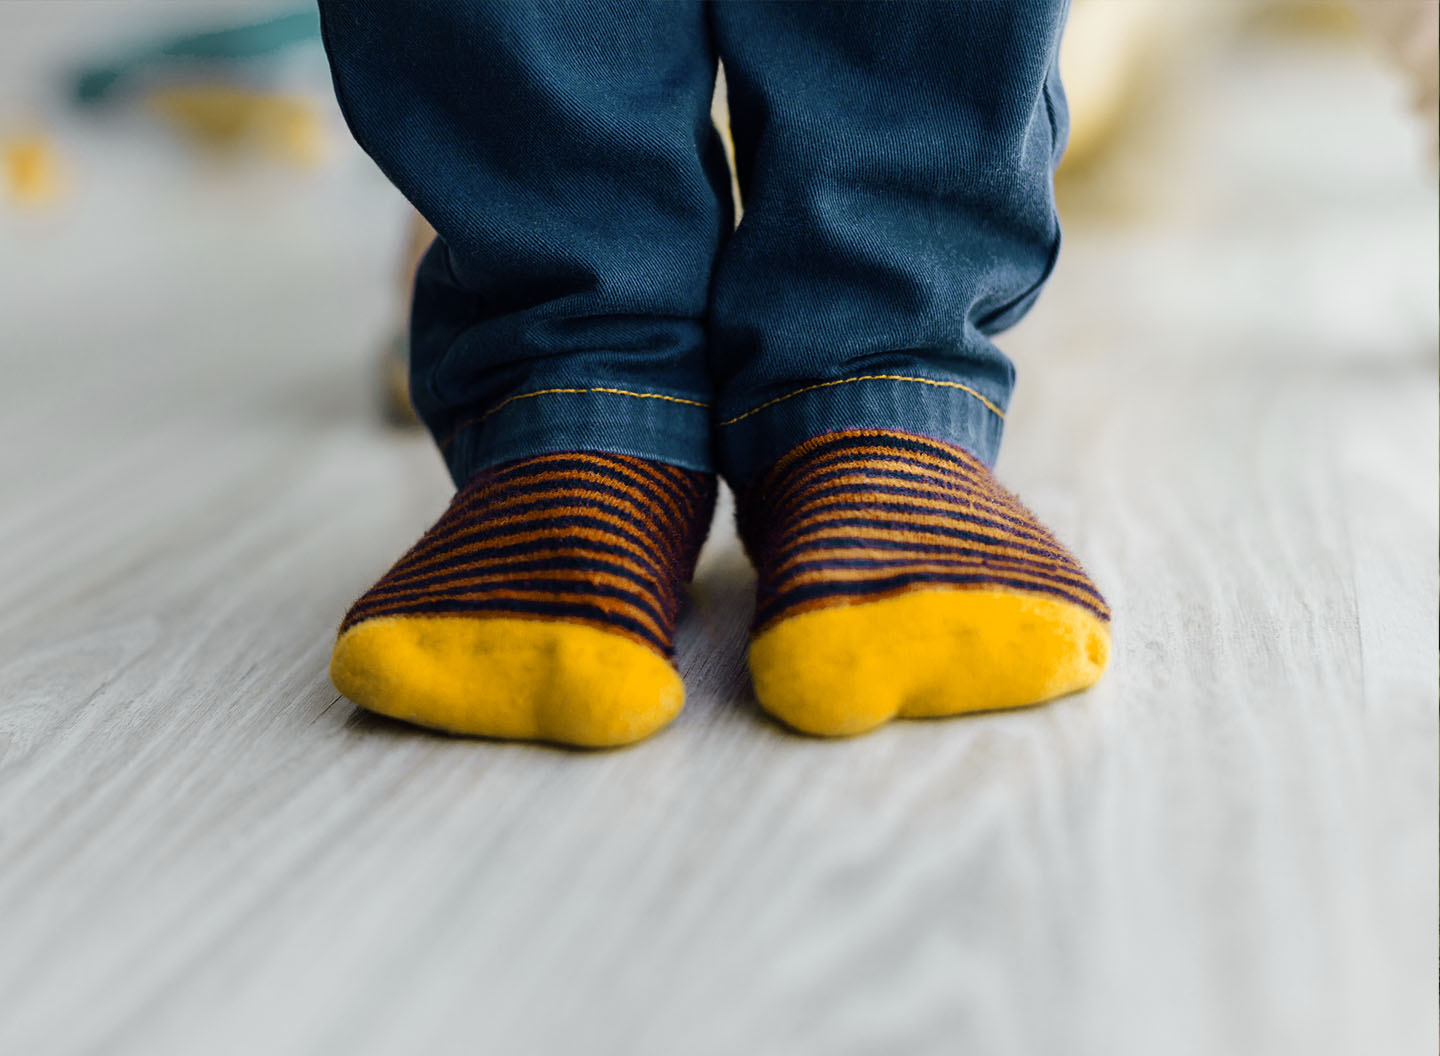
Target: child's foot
[(897, 577), (541, 606)]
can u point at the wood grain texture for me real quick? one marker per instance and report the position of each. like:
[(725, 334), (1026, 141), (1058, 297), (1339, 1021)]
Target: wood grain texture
[(1229, 846)]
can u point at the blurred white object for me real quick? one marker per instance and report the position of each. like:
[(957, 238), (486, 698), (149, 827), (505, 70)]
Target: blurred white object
[(1411, 34)]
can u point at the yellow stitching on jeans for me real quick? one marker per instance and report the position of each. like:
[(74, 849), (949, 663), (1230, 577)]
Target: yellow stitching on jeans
[(550, 392), (868, 377)]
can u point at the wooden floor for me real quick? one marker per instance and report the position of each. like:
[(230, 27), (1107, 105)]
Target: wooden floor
[(1228, 408)]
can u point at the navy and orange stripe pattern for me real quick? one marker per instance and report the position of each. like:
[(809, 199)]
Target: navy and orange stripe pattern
[(855, 516), (598, 539)]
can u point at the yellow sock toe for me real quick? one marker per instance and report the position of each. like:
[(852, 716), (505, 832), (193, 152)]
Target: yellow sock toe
[(540, 606), (522, 679), (847, 669), (897, 577)]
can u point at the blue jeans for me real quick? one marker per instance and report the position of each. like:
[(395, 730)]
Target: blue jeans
[(589, 288)]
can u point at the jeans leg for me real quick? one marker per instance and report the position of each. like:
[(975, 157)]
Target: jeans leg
[(895, 163), (564, 154)]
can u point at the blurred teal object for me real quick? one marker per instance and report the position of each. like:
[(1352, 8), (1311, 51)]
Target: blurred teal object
[(231, 45)]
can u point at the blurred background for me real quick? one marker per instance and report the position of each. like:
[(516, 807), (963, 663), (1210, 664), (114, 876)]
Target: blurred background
[(1227, 405)]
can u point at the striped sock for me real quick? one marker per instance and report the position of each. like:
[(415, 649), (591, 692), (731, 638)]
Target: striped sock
[(541, 606), (897, 577)]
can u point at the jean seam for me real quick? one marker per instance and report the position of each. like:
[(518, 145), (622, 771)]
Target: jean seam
[(469, 422), (1055, 144), (991, 407)]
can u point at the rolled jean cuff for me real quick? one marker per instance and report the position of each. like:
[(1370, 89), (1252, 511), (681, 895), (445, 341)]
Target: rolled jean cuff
[(948, 411), (658, 426)]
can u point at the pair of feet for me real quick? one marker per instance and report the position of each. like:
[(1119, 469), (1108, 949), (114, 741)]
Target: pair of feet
[(896, 578)]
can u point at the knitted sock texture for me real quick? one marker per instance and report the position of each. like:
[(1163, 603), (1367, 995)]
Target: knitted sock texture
[(897, 579), (603, 540), (858, 516)]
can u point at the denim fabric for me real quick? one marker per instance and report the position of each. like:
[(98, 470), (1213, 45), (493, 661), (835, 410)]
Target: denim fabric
[(589, 290)]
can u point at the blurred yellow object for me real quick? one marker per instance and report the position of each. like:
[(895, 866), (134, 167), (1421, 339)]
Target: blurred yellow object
[(32, 169), (395, 361), (1102, 59), (220, 116)]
